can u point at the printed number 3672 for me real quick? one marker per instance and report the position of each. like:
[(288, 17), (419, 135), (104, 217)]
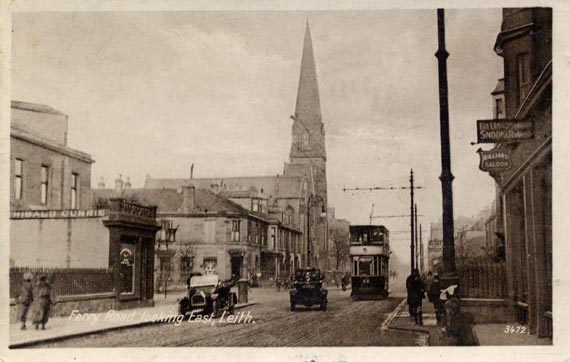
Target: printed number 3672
[(515, 329)]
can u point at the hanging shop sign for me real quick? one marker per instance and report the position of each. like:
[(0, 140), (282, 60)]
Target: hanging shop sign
[(494, 160), (503, 131)]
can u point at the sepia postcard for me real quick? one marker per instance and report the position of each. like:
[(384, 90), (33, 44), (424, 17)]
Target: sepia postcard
[(296, 181)]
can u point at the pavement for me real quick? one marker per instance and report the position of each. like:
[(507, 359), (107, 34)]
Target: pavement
[(430, 334), (60, 328)]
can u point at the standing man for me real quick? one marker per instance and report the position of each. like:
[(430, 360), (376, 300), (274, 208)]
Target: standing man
[(416, 296), (25, 298), (434, 293)]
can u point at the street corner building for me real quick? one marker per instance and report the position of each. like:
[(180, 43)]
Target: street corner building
[(95, 258), (521, 165)]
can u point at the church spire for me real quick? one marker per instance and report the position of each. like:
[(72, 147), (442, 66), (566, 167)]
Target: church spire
[(308, 129), (308, 102)]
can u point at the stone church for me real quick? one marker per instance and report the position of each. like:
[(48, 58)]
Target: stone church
[(297, 198)]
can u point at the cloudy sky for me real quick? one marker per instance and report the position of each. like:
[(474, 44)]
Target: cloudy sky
[(154, 92)]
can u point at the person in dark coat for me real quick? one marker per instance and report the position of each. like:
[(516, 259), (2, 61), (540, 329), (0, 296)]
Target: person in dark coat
[(408, 289), (25, 298), (42, 302), (416, 295), (434, 294)]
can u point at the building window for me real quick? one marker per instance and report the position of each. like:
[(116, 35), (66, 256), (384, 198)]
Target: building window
[(255, 205), (273, 246), (305, 139), (18, 179), (523, 76), (74, 194), (186, 266), (210, 265), (249, 230), (235, 230), (499, 108), (44, 186)]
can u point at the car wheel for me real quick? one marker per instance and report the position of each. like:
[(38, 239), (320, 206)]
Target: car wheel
[(292, 307)]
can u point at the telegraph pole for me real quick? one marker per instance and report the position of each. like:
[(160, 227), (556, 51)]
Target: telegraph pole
[(416, 230), (421, 251), (412, 266), (446, 176)]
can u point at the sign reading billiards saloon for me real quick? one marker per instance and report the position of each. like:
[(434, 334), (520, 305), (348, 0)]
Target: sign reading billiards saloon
[(495, 161), (503, 131)]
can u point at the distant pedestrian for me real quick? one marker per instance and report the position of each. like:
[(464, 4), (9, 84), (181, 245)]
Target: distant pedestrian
[(42, 303), (278, 283), (434, 296), (25, 298), (416, 295)]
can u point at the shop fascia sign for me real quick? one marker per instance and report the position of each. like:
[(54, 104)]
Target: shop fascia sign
[(57, 214), (494, 160), (503, 131)]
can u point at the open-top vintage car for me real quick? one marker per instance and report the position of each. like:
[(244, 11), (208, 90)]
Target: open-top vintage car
[(308, 289), (208, 295)]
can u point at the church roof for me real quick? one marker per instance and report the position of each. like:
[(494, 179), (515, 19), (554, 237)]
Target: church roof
[(271, 186)]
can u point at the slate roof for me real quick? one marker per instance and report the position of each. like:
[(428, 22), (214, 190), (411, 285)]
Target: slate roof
[(34, 107), (170, 200), (271, 186)]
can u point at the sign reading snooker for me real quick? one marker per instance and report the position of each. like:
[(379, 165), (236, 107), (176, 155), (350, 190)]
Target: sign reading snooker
[(494, 160), (503, 131)]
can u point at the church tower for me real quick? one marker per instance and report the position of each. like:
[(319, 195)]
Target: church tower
[(308, 154)]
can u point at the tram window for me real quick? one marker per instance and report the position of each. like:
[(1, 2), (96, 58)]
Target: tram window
[(365, 268)]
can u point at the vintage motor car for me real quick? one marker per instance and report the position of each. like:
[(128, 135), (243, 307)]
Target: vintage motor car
[(308, 289), (208, 295)]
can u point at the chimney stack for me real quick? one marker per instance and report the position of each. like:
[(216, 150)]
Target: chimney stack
[(119, 184), (188, 199), (128, 184)]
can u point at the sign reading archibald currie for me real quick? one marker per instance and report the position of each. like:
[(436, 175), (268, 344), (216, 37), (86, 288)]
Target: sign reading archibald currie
[(503, 131), (494, 160)]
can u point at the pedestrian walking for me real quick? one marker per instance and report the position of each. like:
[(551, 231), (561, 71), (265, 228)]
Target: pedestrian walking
[(25, 298), (434, 296), (416, 296), (42, 303), (278, 283)]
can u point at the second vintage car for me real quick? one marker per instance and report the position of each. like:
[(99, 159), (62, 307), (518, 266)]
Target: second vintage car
[(208, 295), (308, 289)]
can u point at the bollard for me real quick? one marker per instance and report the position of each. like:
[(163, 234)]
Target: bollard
[(242, 291)]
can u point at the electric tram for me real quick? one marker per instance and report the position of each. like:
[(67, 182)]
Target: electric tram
[(370, 255)]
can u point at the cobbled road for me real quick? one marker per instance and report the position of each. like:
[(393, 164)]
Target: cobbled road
[(272, 324)]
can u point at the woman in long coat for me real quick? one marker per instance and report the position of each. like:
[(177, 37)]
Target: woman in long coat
[(25, 298), (42, 302), (416, 294)]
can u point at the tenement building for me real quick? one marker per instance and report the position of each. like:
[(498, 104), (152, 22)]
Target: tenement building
[(525, 187)]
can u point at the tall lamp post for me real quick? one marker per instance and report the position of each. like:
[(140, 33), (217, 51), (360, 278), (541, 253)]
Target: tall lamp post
[(446, 176), (313, 201)]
